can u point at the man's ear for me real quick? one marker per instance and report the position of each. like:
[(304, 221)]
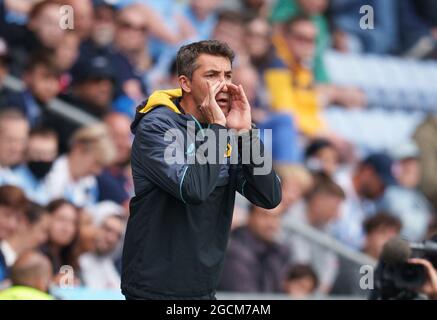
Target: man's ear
[(185, 83)]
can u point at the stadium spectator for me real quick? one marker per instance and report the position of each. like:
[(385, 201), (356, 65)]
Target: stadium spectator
[(296, 181), (301, 281), (308, 97), (63, 235), (230, 29), (425, 138), (364, 188), (41, 153), (322, 155), (131, 40), (41, 33), (65, 55), (31, 278), (31, 233), (322, 207), (41, 78), (14, 131), (254, 261), (73, 175), (404, 200), (13, 204), (115, 182), (97, 267), (286, 10), (83, 17), (4, 69), (87, 233), (378, 230)]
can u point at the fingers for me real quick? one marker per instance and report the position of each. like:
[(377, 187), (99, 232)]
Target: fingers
[(242, 93), (428, 266), (215, 88)]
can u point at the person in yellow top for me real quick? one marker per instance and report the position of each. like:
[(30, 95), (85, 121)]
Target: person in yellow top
[(31, 276), (294, 88)]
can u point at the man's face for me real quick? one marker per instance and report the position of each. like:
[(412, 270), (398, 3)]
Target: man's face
[(211, 69), (9, 219), (97, 92), (109, 235), (63, 225), (231, 33), (13, 141), (43, 84), (119, 127), (131, 31), (46, 26), (324, 208), (300, 288), (370, 184), (90, 162), (328, 158), (376, 240), (42, 148), (409, 172), (301, 40), (264, 225), (258, 38)]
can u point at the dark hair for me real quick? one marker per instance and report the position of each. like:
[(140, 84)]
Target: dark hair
[(44, 59), (316, 145), (232, 16), (57, 203), (299, 271), (34, 213), (324, 184), (302, 17), (67, 254), (187, 55), (13, 197), (381, 220), (44, 132)]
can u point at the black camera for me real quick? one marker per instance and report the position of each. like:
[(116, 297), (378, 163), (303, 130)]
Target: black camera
[(395, 278)]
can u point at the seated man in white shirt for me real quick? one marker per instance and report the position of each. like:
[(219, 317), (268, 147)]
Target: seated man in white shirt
[(322, 207), (98, 268), (73, 176)]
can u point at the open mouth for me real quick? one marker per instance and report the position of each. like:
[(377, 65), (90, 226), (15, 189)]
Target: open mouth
[(222, 101)]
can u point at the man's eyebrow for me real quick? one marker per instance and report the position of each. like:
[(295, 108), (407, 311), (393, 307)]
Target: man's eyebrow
[(218, 71)]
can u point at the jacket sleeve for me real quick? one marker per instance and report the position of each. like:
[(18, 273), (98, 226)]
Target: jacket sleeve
[(189, 182), (256, 181)]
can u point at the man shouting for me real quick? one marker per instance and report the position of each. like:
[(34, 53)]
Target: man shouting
[(181, 214)]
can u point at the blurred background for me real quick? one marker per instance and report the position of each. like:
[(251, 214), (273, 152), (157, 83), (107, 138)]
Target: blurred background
[(349, 88)]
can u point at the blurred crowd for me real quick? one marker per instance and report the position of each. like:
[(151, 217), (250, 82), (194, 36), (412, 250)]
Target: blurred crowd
[(65, 183)]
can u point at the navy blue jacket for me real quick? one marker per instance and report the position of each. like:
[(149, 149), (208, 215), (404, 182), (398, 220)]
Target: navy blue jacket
[(181, 214)]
